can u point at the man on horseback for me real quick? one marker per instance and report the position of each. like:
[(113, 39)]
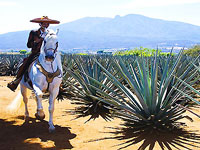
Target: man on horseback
[(35, 40)]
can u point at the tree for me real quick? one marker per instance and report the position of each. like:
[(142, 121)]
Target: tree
[(194, 51), (23, 51)]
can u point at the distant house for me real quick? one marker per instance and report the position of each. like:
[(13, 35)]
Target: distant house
[(99, 52), (104, 52)]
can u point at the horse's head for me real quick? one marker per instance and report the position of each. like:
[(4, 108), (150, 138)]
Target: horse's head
[(50, 46)]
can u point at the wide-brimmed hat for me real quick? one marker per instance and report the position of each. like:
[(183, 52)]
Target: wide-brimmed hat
[(45, 19)]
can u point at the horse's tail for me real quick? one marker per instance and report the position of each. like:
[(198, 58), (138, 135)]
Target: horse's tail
[(16, 103)]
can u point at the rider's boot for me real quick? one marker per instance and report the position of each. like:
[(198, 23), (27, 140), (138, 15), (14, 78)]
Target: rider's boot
[(13, 85)]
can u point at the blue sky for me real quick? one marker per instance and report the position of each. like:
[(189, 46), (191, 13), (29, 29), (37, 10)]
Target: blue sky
[(16, 14)]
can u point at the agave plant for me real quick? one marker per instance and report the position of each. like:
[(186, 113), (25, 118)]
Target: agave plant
[(87, 73), (9, 64), (151, 100), (66, 89), (195, 65), (150, 108)]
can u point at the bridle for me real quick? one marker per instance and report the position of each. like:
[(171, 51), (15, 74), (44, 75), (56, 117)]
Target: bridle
[(54, 49)]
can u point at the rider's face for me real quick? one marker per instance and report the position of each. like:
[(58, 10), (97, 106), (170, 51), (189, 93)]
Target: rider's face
[(44, 25)]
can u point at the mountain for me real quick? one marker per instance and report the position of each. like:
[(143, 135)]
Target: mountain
[(119, 32)]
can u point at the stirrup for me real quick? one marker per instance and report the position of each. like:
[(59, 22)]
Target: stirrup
[(12, 86)]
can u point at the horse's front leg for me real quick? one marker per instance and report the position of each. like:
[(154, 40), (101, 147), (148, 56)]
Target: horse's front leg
[(52, 98), (40, 113)]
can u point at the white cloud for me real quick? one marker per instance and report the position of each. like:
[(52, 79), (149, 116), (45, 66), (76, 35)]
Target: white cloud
[(6, 3), (155, 3)]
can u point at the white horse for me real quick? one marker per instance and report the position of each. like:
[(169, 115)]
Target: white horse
[(45, 75)]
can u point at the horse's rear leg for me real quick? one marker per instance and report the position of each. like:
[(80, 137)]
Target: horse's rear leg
[(52, 99), (25, 99)]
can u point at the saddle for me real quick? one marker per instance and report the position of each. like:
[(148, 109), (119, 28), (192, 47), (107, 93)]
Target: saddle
[(49, 76), (26, 75)]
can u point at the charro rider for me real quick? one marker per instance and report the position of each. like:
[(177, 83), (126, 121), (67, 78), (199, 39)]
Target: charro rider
[(35, 40)]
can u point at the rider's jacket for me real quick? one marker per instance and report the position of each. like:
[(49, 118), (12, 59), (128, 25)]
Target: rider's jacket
[(33, 36)]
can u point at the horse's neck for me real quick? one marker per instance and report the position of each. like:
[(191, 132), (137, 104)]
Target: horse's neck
[(48, 66)]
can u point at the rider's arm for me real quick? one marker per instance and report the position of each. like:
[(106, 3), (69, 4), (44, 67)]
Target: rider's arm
[(30, 43), (33, 42)]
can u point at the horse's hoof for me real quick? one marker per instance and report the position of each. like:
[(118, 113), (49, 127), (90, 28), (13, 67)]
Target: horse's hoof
[(39, 117), (27, 118), (52, 130)]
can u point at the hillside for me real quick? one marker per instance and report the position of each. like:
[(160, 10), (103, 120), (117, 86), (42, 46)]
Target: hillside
[(119, 32)]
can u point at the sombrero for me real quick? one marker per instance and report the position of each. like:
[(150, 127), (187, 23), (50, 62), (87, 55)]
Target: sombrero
[(45, 19)]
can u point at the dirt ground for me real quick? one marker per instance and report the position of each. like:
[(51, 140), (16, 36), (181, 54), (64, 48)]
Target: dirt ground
[(15, 134)]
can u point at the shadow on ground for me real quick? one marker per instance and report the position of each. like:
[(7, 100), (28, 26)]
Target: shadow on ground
[(15, 136), (176, 138)]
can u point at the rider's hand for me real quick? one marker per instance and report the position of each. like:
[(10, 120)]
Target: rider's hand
[(42, 35)]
